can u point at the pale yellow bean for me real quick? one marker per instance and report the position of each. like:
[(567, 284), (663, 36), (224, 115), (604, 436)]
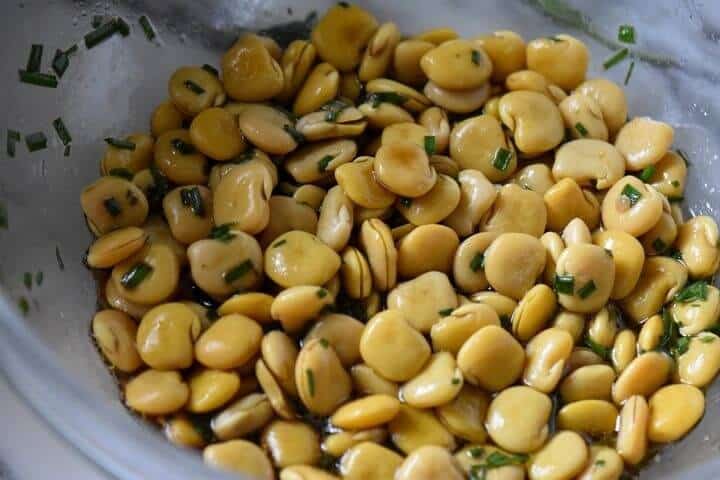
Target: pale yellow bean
[(516, 210), (464, 416), (413, 428), (611, 98), (593, 417), (513, 262), (366, 412), (604, 464), (156, 393), (632, 430), (291, 443), (247, 415), (562, 59), (342, 34), (279, 353), (429, 463), (701, 363), (427, 248), (643, 142), (517, 419), (368, 460), (546, 355), (563, 457), (211, 389), (469, 262), (698, 244), (336, 444), (239, 456), (591, 382), (623, 351), (674, 411), (343, 332), (437, 384), (115, 332), (484, 351), (165, 336), (643, 376), (229, 342), (533, 312)]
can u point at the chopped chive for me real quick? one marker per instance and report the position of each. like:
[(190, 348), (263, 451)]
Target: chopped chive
[(565, 284), (445, 312), (324, 343), (147, 27), (707, 339), (647, 173), (586, 290), (476, 452), (27, 280), (475, 57), (222, 233), (629, 72), (38, 78), (695, 291), (13, 136), (100, 34), (137, 273), (675, 183), (35, 58), (182, 146), (72, 50), (581, 129), (60, 63), (405, 202), (36, 141), (23, 305), (112, 206), (192, 198), (279, 243), (97, 20), (632, 194), (120, 143), (246, 156), (554, 39), (333, 108), (39, 277), (3, 217), (194, 87), (501, 159), (429, 141), (599, 463), (675, 199), (455, 381), (58, 258), (237, 272), (376, 98), (477, 262), (311, 381), (682, 346), (121, 172), (122, 26), (616, 58), (600, 351), (62, 131), (211, 70), (626, 34), (297, 136), (675, 255), (66, 153), (321, 293), (658, 245), (324, 162), (344, 4), (684, 156)]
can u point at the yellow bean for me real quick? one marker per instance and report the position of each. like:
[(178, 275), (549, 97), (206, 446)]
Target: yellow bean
[(229, 342), (291, 443), (156, 393), (367, 412), (674, 411), (413, 428), (517, 419), (239, 456), (563, 457), (484, 351), (115, 334), (632, 430)]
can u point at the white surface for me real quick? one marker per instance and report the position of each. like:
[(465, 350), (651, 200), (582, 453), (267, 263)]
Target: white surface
[(29, 450)]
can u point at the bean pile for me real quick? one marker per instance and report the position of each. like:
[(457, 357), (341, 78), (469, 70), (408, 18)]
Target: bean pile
[(452, 258)]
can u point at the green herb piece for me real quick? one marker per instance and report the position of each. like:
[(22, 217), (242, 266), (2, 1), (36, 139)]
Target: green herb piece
[(324, 343), (324, 162), (191, 198), (405, 202), (554, 39), (27, 280), (147, 27), (675, 183), (297, 136), (122, 173), (615, 58), (333, 108), (237, 272), (66, 153), (647, 173), (682, 346), (38, 78), (695, 291), (601, 351), (3, 217), (122, 27), (632, 194), (476, 452), (626, 34), (211, 70), (58, 259), (344, 4), (279, 243), (445, 312), (72, 50), (475, 57), (581, 129), (707, 339), (112, 206), (135, 276), (310, 381), (498, 459), (35, 58), (194, 87), (97, 20), (505, 322), (120, 143), (629, 72), (201, 424), (675, 255), (62, 131), (455, 381), (376, 98), (182, 146), (658, 245), (23, 305), (13, 137), (222, 233), (36, 141), (477, 262), (501, 159), (670, 333), (39, 277), (587, 290), (684, 156), (100, 34), (321, 293), (565, 284), (676, 199), (599, 463), (429, 142)]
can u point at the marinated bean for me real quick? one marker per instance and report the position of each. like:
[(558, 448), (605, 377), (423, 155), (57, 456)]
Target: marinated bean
[(700, 364), (368, 382), (528, 80), (165, 336), (697, 242), (359, 182), (318, 161), (643, 142), (404, 169), (437, 384), (536, 177), (477, 194), (322, 382), (148, 277), (111, 203), (343, 332), (435, 120), (563, 62), (586, 274), (296, 61), (611, 99), (249, 72), (664, 233), (182, 432), (368, 460), (534, 120), (291, 443), (335, 223), (280, 354), (429, 463), (674, 410), (295, 306), (563, 457), (320, 87), (661, 279), (533, 312), (670, 175), (632, 430), (268, 129), (651, 334), (593, 417), (643, 376), (603, 327), (178, 160), (436, 36), (413, 428), (465, 414), (274, 392), (166, 116), (583, 117), (299, 258), (350, 122), (305, 472), (512, 263), (254, 305), (457, 101), (582, 357), (623, 351), (239, 456), (215, 134), (487, 348), (247, 415), (469, 262), (546, 354), (229, 342), (413, 248), (604, 464), (587, 161), (451, 332), (565, 201), (404, 133), (628, 257), (573, 323), (475, 143), (337, 444), (517, 419), (189, 213), (516, 210), (576, 231), (211, 389), (383, 115), (342, 34), (406, 61), (476, 454), (114, 247), (193, 89), (433, 207), (379, 52), (414, 100), (377, 243), (366, 412), (554, 245), (134, 160), (118, 302), (115, 332), (506, 50), (591, 382), (423, 300), (457, 65), (156, 393), (249, 160)]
